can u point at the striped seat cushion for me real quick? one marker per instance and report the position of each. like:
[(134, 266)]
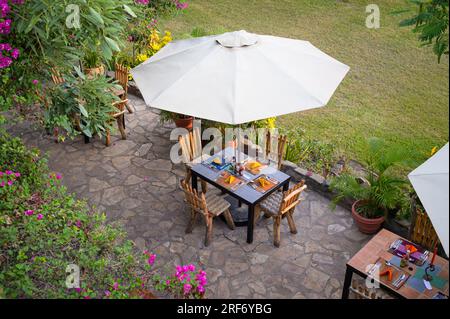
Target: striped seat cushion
[(216, 205), (272, 203)]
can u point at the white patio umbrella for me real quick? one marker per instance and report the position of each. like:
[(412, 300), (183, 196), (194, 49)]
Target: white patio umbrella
[(238, 77), (430, 180)]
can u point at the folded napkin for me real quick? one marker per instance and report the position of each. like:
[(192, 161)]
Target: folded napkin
[(254, 165), (230, 179), (263, 182), (412, 249)]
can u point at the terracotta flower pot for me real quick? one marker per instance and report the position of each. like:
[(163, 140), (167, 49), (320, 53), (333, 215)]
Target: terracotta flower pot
[(366, 225), (91, 72), (186, 123)]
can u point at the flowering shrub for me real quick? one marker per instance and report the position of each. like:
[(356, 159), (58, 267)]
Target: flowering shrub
[(7, 53), (43, 229), (187, 282)]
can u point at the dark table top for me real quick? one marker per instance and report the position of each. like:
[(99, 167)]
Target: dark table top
[(245, 193)]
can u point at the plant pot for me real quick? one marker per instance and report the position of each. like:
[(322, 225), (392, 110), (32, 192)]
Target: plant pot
[(143, 294), (92, 72), (186, 123), (366, 225)]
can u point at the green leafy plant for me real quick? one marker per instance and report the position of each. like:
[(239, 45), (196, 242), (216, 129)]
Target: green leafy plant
[(314, 155), (383, 190), (83, 104), (431, 23), (92, 59)]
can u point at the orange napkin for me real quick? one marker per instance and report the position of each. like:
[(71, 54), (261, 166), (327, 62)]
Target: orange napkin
[(412, 249), (388, 272)]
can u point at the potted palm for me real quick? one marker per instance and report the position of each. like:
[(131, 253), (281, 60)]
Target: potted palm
[(375, 194), (92, 64)]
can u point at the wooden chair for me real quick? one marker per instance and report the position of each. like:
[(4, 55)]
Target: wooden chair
[(422, 231), (280, 205), (360, 291), (121, 75), (120, 118), (57, 78), (209, 206), (191, 148), (280, 147)]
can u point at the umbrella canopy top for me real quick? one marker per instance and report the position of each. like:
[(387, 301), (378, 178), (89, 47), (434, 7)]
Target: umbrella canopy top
[(431, 182), (237, 39), (238, 77)]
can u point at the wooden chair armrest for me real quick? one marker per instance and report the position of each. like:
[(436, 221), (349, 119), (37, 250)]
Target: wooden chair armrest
[(120, 102), (115, 115)]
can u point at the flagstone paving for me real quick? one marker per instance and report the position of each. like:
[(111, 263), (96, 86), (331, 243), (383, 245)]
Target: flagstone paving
[(136, 184)]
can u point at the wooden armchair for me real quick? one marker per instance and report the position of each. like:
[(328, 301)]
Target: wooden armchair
[(422, 231), (121, 75), (209, 206), (120, 118), (191, 148), (280, 205), (280, 142)]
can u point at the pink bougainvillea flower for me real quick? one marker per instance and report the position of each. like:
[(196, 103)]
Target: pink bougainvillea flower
[(116, 285), (167, 282), (191, 267), (10, 182), (40, 216), (201, 289), (17, 174), (35, 82), (2, 184), (1, 173), (29, 212), (8, 172), (151, 259), (78, 223), (15, 54), (78, 289), (187, 288), (58, 176)]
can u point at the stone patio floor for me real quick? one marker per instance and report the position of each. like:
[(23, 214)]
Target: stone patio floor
[(136, 184)]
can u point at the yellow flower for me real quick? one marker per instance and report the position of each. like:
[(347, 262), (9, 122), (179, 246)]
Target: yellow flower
[(141, 57), (433, 150), (156, 46)]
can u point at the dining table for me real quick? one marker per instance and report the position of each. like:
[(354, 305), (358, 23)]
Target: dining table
[(380, 247), (245, 192)]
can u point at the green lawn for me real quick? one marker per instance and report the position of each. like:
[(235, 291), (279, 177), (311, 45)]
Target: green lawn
[(395, 89)]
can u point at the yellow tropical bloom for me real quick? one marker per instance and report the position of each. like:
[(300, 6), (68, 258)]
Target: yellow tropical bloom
[(156, 46), (433, 150), (141, 57)]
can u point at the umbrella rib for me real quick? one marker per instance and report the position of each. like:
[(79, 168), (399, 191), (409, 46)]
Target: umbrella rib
[(428, 174)]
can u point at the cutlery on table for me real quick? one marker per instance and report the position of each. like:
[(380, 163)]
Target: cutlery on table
[(399, 280)]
